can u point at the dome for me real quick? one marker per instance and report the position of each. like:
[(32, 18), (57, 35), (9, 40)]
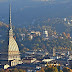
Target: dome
[(13, 50), (13, 45)]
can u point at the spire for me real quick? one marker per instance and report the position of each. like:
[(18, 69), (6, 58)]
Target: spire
[(10, 24)]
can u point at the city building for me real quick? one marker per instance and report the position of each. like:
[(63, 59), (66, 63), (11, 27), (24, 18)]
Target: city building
[(10, 54), (31, 37), (65, 19), (36, 32), (28, 60), (45, 33), (23, 36)]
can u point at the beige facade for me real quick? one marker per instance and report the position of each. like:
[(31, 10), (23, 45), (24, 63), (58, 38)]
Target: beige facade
[(13, 50), (10, 54), (15, 62), (6, 66), (37, 32), (31, 60)]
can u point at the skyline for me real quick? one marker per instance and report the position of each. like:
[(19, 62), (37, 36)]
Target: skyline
[(35, 35)]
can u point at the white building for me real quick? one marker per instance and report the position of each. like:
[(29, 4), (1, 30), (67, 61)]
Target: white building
[(45, 33)]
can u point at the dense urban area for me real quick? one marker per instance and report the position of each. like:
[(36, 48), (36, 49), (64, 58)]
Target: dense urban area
[(45, 45)]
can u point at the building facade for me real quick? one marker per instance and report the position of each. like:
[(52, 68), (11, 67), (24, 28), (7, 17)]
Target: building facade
[(10, 54)]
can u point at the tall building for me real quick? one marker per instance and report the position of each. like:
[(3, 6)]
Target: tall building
[(10, 54)]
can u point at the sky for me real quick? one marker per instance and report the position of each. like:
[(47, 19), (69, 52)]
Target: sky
[(3, 0), (34, 3), (61, 1), (24, 11)]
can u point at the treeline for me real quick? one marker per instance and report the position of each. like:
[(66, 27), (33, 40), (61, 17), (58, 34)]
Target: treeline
[(55, 69), (35, 43), (43, 69), (39, 43), (12, 70)]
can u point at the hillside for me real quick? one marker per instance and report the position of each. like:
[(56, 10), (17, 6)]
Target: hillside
[(37, 42)]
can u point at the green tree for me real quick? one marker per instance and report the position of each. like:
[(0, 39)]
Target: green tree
[(24, 71), (71, 66), (15, 70), (51, 69), (2, 70), (42, 70), (66, 69), (20, 70), (54, 69), (7, 70), (60, 71)]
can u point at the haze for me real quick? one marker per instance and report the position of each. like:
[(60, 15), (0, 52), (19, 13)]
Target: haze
[(24, 11)]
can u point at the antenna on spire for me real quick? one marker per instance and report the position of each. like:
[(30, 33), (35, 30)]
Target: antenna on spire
[(10, 24)]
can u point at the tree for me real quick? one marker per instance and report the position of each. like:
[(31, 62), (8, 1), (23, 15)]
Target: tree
[(66, 69), (54, 69), (42, 70), (71, 66), (51, 69), (7, 70), (20, 70), (2, 70), (15, 70), (24, 71), (60, 71)]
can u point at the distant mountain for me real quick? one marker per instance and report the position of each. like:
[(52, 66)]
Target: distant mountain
[(24, 11), (3, 30)]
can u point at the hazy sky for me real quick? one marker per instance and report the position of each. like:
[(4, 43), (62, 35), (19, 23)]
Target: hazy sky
[(62, 1), (3, 0), (24, 11)]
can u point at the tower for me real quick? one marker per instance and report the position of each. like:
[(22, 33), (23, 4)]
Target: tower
[(13, 50), (11, 54)]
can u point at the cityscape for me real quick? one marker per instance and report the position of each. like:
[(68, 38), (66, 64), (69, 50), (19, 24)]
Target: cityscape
[(35, 41)]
